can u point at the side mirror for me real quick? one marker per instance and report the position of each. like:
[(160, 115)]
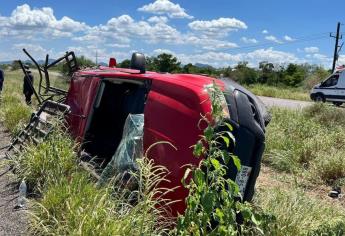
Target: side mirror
[(138, 62)]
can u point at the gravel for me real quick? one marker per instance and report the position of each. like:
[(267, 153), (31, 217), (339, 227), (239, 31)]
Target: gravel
[(12, 221)]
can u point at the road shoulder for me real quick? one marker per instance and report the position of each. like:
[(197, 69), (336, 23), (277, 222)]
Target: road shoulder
[(12, 222)]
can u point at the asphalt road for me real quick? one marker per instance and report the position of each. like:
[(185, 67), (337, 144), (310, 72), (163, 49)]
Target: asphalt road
[(285, 103)]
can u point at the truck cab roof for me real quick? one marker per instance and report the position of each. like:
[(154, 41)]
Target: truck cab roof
[(191, 79)]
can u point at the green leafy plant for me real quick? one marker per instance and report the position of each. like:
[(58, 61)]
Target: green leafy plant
[(213, 204)]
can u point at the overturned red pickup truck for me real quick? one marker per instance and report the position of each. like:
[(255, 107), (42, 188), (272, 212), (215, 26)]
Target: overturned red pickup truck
[(101, 99)]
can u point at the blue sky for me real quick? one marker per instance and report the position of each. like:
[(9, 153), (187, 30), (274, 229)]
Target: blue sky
[(218, 32)]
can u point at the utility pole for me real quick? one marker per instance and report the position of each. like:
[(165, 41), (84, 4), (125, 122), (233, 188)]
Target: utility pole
[(336, 47), (96, 57)]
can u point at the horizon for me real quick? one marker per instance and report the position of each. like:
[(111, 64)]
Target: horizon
[(230, 33)]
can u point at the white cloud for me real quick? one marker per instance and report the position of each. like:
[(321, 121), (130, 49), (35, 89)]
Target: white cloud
[(124, 28), (89, 52), (116, 45), (321, 57), (217, 27), (35, 50), (208, 43), (158, 19), (288, 38), (271, 55), (27, 22), (160, 51), (216, 59), (222, 59), (273, 39), (161, 7), (249, 40), (264, 31), (341, 60), (311, 49)]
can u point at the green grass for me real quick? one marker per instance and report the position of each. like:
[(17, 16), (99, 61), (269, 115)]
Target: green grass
[(308, 143), (305, 152), (14, 113), (44, 164), (279, 92), (299, 214), (72, 204)]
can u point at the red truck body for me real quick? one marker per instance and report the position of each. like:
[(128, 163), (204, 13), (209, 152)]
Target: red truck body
[(172, 112), (173, 106), (101, 99)]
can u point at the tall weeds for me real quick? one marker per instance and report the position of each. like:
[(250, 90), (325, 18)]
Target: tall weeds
[(308, 142), (70, 203)]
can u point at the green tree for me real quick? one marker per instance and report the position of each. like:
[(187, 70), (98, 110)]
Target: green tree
[(267, 75), (166, 63), (82, 63), (244, 74), (125, 64), (294, 74), (15, 65), (189, 68), (150, 65)]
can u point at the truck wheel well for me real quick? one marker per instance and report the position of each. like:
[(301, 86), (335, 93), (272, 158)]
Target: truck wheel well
[(319, 97)]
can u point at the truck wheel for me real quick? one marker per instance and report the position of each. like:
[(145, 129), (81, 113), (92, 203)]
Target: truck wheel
[(337, 103), (319, 98)]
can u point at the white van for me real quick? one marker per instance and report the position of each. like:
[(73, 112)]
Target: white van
[(330, 90)]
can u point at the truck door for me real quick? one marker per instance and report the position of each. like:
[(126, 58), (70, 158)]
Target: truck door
[(80, 98), (330, 87), (341, 86)]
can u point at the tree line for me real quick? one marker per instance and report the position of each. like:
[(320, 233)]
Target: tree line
[(291, 74)]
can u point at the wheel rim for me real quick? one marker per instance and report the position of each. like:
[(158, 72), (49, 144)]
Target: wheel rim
[(318, 99)]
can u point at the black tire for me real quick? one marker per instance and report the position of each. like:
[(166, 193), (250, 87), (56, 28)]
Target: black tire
[(319, 98), (337, 103)]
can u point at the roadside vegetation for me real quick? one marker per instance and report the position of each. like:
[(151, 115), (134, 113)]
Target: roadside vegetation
[(290, 81), (279, 92), (67, 201), (304, 160), (308, 143), (14, 113)]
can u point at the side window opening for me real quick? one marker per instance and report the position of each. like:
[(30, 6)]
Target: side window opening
[(118, 101), (331, 81)]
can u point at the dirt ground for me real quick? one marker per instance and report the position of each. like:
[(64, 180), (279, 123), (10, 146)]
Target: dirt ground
[(269, 178), (12, 221)]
